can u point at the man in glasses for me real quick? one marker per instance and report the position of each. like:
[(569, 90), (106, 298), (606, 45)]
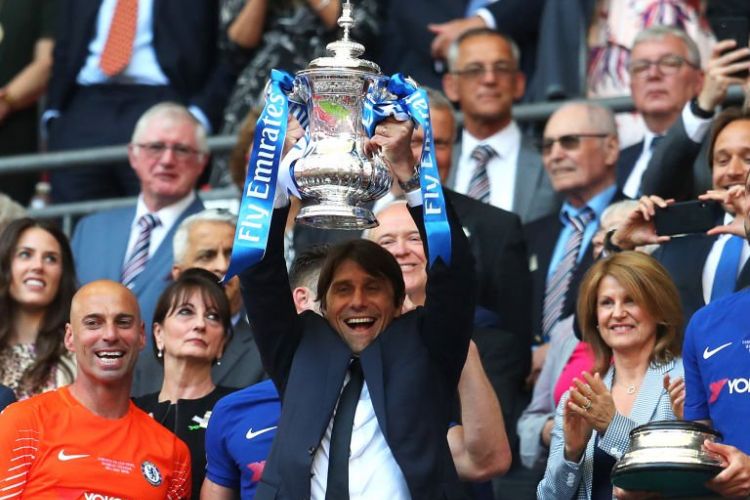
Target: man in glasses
[(677, 168), (580, 150), (494, 163), (665, 75), (133, 245)]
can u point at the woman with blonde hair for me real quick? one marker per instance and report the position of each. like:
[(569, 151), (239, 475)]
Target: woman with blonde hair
[(629, 312)]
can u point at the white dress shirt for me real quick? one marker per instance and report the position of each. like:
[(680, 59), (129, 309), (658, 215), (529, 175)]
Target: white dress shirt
[(712, 261), (501, 169), (373, 471), (167, 215)]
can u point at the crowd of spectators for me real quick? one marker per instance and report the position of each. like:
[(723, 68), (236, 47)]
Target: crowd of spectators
[(346, 364)]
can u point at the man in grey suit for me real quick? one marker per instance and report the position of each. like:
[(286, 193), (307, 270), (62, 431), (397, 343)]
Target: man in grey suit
[(495, 164), (133, 245), (205, 240)]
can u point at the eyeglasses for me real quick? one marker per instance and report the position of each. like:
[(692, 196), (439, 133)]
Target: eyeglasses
[(668, 65), (475, 72), (155, 150), (568, 142)]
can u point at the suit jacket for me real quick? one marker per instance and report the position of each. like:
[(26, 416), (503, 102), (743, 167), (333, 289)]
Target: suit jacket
[(626, 162), (99, 244), (565, 480), (186, 42), (684, 259), (240, 365), (411, 370), (679, 167), (405, 39), (533, 196), (541, 238), (6, 397)]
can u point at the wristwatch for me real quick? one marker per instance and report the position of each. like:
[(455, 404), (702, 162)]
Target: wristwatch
[(609, 247), (698, 111), (412, 184)]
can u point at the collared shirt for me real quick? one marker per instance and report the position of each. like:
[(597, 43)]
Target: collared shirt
[(167, 215), (373, 471), (712, 260), (501, 169), (632, 186), (598, 203), (143, 68)]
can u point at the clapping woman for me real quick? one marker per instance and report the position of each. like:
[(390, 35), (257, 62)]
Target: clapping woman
[(192, 323), (37, 283), (629, 312)]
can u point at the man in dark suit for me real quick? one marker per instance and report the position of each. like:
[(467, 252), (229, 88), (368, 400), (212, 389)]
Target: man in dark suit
[(494, 163), (416, 35), (173, 54), (677, 168), (168, 153), (695, 261), (665, 74), (579, 149), (205, 240), (410, 363)]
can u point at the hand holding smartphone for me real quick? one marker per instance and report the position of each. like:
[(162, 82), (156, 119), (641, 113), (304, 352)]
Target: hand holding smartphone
[(687, 217), (737, 29)]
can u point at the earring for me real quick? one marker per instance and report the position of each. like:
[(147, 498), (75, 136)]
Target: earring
[(160, 353), (218, 361)]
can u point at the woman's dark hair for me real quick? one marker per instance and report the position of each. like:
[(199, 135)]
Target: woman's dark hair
[(49, 344), (374, 259), (650, 286), (180, 290)]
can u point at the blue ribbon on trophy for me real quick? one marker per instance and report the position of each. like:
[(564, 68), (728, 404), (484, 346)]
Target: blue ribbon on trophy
[(413, 102), (256, 206)]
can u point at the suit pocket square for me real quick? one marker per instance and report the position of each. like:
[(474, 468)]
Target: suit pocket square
[(533, 264)]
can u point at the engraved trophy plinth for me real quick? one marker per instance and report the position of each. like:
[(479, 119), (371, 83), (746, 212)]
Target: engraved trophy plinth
[(335, 176)]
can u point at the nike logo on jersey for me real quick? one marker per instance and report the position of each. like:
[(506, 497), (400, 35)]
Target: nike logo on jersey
[(251, 434), (707, 353), (63, 457)]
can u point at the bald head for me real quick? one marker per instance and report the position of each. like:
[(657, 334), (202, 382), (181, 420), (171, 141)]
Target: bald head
[(106, 335)]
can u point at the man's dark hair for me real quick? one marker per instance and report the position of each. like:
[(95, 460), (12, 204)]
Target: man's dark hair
[(372, 258), (721, 121), (306, 266)]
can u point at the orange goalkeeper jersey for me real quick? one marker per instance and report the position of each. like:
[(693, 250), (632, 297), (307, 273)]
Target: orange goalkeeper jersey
[(52, 447)]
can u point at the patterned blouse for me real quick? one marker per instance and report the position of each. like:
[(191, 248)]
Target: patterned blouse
[(14, 361)]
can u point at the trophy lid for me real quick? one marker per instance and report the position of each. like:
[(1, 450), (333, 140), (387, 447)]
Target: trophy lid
[(344, 53)]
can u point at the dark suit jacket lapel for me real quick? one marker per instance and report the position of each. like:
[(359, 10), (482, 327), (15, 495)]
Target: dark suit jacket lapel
[(372, 365)]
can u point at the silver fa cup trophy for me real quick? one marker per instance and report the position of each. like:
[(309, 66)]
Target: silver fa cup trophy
[(334, 176)]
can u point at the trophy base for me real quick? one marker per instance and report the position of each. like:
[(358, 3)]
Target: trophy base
[(337, 217)]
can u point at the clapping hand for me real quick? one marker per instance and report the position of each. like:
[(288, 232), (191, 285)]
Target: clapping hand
[(591, 399), (676, 390)]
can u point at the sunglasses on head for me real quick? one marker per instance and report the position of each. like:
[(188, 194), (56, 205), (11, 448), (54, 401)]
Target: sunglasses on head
[(568, 142)]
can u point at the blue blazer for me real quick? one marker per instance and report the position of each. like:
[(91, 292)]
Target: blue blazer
[(6, 397), (99, 244), (411, 370)]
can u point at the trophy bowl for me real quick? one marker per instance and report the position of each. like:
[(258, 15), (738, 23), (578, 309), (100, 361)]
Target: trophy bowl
[(667, 456), (335, 177)]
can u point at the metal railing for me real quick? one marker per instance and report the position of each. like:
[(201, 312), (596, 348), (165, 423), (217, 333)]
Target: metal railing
[(531, 112)]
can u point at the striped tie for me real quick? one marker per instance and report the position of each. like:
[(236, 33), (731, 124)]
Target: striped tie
[(137, 261), (558, 284), (479, 185), (119, 45)]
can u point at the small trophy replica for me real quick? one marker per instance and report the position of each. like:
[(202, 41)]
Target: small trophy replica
[(334, 176)]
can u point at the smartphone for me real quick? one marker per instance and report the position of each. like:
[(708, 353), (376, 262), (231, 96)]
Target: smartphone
[(737, 29), (687, 217)]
